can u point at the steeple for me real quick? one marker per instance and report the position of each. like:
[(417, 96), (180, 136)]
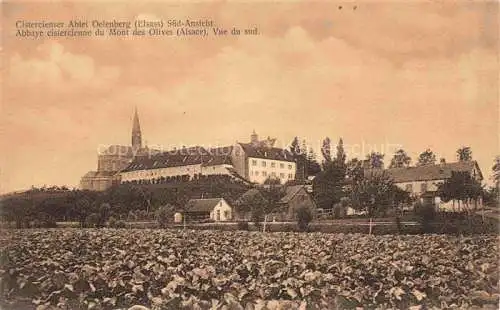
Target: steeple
[(136, 132)]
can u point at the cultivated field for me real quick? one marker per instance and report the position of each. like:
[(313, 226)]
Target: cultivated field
[(172, 269)]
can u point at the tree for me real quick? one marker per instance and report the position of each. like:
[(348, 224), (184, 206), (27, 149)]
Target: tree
[(272, 181), (328, 185), (300, 156), (313, 167), (374, 194), (354, 170), (272, 195), (326, 151), (304, 217), (340, 156), (375, 160), (83, 206), (426, 158), (496, 170), (295, 147), (460, 187), (400, 160), (164, 214), (464, 153)]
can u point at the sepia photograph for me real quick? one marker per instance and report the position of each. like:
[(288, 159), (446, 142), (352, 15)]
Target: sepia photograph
[(253, 155)]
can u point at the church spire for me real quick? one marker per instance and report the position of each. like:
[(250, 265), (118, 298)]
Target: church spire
[(136, 132)]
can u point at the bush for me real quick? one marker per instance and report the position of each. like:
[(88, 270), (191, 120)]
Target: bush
[(426, 214), (92, 220), (114, 223), (44, 223), (257, 218), (243, 226), (121, 224), (304, 217), (163, 214)]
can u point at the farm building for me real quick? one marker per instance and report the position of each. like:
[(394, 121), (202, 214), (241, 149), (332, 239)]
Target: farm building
[(293, 197), (422, 182), (215, 209)]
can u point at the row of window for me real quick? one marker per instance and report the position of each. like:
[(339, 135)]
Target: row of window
[(423, 187), (272, 174), (273, 164)]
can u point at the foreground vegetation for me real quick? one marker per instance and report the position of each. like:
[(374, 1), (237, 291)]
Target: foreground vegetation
[(173, 269)]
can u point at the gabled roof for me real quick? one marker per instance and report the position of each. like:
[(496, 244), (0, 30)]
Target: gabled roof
[(202, 205), (290, 192), (428, 172), (175, 158), (266, 152)]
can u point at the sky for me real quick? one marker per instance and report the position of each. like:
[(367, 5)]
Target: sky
[(381, 75)]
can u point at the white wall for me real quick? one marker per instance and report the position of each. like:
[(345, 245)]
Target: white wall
[(190, 170), (416, 186), (222, 212), (258, 173)]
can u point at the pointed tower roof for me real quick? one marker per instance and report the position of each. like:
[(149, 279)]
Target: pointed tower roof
[(136, 126), (136, 132)]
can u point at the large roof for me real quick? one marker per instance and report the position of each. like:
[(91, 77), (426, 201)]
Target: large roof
[(290, 192), (175, 158), (428, 172), (266, 152), (202, 205)]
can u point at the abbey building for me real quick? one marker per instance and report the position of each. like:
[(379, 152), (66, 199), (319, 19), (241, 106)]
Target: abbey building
[(252, 162)]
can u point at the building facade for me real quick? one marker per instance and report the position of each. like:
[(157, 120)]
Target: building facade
[(187, 163), (214, 209), (259, 160), (252, 162), (423, 182)]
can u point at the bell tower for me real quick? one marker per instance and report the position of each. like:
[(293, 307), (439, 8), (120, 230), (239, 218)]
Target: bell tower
[(136, 132)]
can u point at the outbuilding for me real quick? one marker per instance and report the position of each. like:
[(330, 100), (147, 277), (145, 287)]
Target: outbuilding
[(215, 209)]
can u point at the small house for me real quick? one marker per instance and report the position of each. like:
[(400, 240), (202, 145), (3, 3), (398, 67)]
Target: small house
[(296, 197), (215, 209), (293, 198)]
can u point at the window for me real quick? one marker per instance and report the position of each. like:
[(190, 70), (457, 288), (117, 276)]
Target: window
[(282, 166), (282, 175), (273, 165), (423, 187), (273, 174), (227, 215), (256, 173), (264, 173), (263, 164), (290, 176), (409, 187), (254, 162), (289, 166), (217, 215)]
